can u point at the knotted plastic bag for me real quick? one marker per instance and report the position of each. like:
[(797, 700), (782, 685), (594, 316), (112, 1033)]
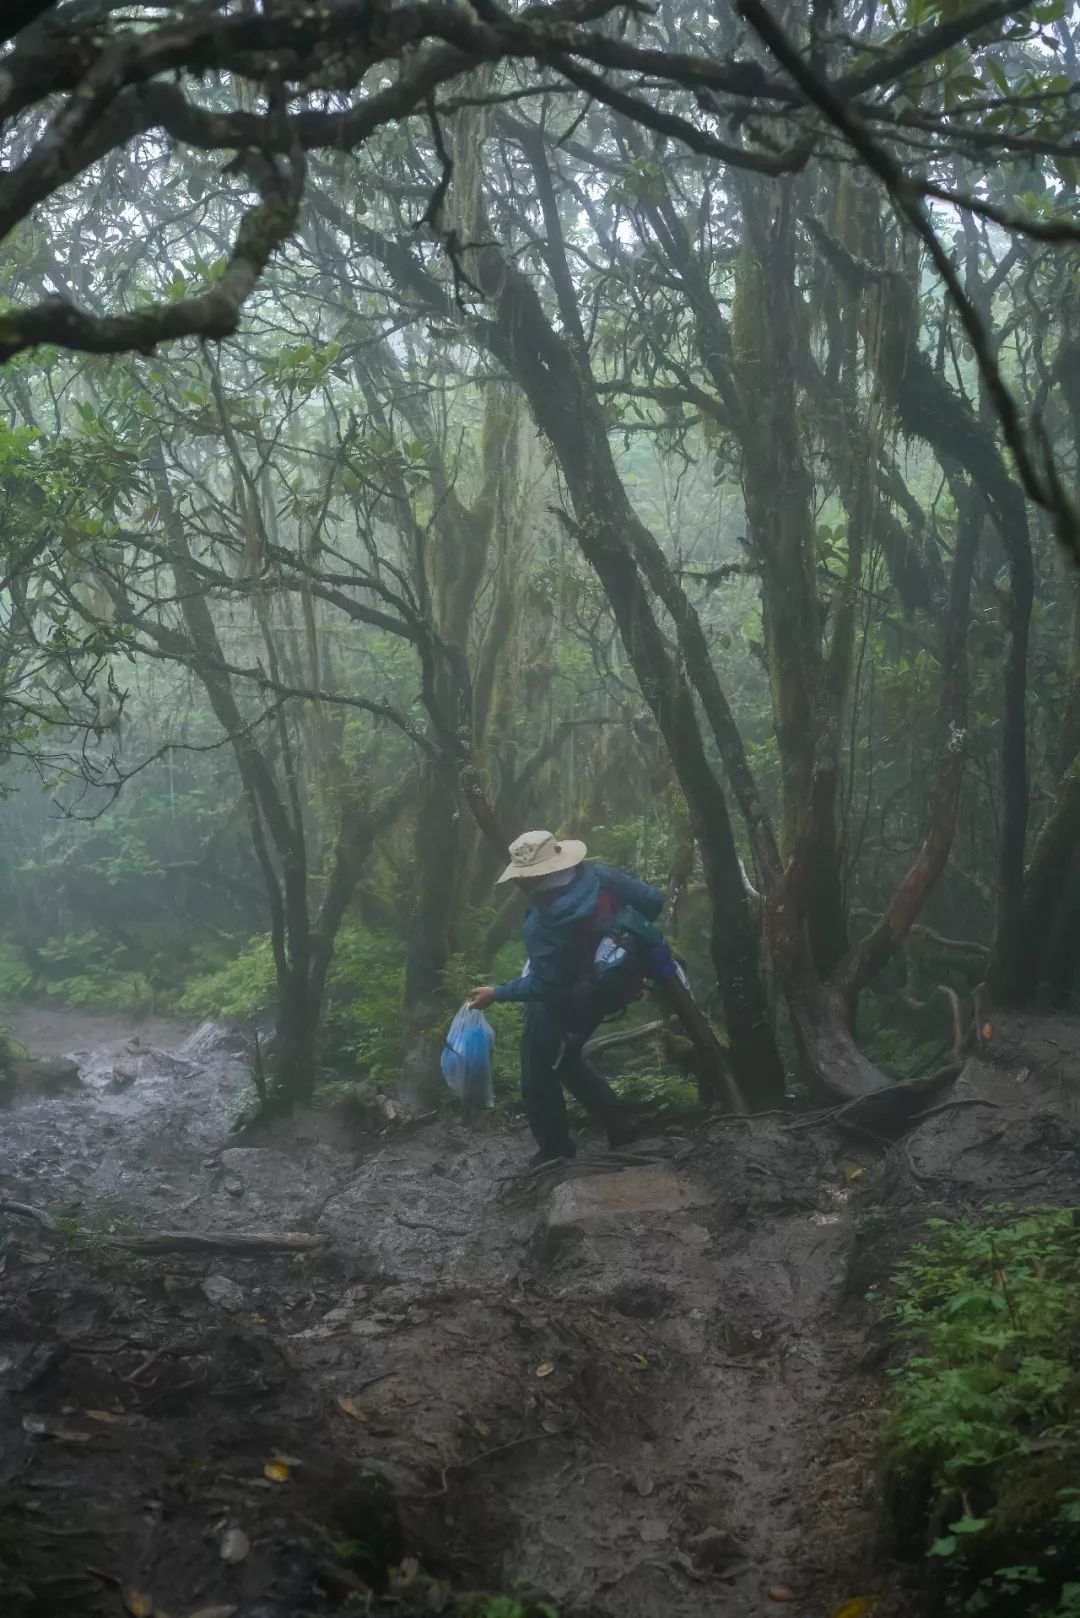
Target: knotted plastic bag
[(466, 1058)]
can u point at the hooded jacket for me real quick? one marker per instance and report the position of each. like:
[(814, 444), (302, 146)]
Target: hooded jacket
[(554, 932)]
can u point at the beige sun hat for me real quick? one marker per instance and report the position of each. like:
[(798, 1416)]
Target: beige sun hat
[(536, 853)]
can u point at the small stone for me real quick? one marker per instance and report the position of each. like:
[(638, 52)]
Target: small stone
[(234, 1545), (225, 1293), (234, 1188)]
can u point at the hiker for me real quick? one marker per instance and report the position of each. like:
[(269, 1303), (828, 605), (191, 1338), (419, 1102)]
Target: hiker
[(565, 990)]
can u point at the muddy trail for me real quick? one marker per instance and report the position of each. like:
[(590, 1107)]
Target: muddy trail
[(642, 1384)]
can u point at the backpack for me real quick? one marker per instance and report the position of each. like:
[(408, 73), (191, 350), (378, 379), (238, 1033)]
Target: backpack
[(616, 943)]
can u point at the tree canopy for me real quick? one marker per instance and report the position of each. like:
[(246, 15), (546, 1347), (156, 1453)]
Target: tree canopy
[(659, 420)]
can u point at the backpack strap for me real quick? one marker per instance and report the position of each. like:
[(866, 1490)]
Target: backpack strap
[(593, 927)]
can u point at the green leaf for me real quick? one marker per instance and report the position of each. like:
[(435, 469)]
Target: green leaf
[(998, 74), (970, 1525), (943, 1547)]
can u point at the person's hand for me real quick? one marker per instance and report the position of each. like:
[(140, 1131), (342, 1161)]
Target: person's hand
[(480, 999)]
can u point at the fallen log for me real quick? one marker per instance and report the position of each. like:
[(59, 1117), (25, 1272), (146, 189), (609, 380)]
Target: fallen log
[(45, 1220), (224, 1241), (621, 1037), (185, 1241)]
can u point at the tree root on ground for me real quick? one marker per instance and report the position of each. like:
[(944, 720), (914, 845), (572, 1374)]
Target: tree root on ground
[(186, 1241)]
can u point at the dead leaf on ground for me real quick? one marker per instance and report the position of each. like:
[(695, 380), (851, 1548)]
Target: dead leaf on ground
[(216, 1612), (104, 1415), (857, 1607), (350, 1407), (235, 1545), (779, 1592), (545, 1369), (277, 1472), (138, 1604), (988, 1031), (481, 1429)]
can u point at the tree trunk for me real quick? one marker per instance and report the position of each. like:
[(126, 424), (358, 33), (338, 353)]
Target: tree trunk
[(1063, 946), (272, 824), (568, 413), (1046, 882), (881, 943), (433, 928)]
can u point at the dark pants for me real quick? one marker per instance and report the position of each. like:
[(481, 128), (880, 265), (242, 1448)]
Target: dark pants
[(551, 1059)]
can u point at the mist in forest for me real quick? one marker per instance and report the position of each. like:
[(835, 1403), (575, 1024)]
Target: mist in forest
[(421, 424)]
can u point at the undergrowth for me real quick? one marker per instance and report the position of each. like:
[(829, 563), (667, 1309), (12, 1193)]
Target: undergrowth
[(81, 969), (363, 1019), (983, 1443), (363, 1023)]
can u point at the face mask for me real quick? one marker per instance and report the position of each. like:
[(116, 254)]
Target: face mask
[(550, 884)]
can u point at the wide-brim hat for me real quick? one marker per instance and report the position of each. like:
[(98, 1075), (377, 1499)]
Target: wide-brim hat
[(536, 853)]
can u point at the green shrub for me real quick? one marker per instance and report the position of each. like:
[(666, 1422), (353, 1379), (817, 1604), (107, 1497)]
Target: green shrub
[(513, 1607), (85, 969), (363, 1017), (984, 1430), (365, 992), (82, 969), (245, 986), (17, 976)]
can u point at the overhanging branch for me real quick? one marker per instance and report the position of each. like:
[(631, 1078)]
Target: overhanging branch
[(214, 313)]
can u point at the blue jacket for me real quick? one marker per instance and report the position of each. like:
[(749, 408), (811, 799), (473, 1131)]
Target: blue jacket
[(553, 933)]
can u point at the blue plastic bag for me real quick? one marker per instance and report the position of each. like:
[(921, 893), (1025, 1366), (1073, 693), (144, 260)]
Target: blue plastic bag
[(466, 1058)]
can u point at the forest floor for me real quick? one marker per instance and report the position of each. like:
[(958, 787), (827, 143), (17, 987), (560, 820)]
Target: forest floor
[(642, 1384)]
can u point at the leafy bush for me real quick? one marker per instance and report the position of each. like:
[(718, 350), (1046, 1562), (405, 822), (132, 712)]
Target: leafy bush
[(82, 969), (362, 1019), (245, 986), (513, 1607), (86, 969), (364, 999), (655, 1088), (985, 1424), (17, 976)]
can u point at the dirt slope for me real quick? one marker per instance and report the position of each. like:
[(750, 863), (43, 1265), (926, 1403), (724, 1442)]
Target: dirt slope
[(644, 1385)]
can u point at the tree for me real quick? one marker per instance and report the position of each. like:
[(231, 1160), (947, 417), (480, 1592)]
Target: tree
[(665, 228)]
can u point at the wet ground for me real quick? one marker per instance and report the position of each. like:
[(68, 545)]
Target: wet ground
[(645, 1384)]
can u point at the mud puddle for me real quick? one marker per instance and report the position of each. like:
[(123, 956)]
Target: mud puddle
[(640, 1384)]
